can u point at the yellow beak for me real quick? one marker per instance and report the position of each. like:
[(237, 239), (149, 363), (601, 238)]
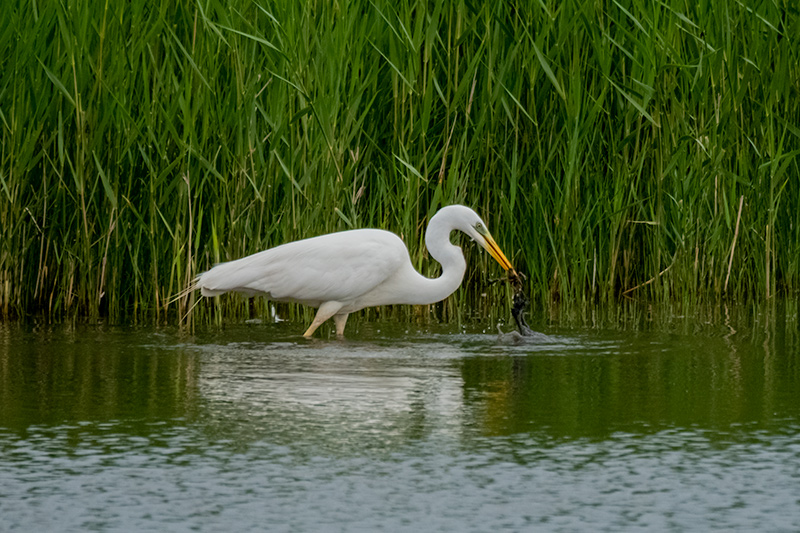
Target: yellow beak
[(497, 253)]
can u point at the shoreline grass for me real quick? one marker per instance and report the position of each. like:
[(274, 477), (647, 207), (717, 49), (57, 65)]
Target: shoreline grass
[(617, 149)]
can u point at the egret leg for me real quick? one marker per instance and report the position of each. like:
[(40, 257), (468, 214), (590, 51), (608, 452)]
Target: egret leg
[(325, 311), (340, 320)]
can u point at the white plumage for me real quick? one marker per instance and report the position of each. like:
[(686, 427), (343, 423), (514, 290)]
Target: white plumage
[(340, 273)]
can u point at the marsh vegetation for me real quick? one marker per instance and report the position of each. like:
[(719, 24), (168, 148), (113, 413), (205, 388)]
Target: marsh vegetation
[(619, 150)]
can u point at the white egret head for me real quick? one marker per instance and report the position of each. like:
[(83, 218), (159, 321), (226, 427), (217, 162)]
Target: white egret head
[(465, 219)]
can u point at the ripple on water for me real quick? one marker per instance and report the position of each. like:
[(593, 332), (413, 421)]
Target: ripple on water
[(106, 478)]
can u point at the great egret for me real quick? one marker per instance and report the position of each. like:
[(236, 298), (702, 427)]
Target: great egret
[(340, 273)]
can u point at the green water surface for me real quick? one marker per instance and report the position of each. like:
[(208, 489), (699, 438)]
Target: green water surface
[(398, 428)]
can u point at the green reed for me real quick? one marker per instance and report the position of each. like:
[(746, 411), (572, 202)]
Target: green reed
[(619, 150)]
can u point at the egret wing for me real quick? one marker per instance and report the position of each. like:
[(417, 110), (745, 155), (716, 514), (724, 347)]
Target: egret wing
[(335, 267)]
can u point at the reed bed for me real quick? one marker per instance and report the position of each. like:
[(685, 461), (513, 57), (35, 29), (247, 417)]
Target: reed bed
[(619, 150)]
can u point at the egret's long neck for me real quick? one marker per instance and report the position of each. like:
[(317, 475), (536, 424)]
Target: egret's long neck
[(450, 256), (407, 286)]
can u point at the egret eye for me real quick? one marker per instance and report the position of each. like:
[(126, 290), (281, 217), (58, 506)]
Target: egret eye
[(479, 227)]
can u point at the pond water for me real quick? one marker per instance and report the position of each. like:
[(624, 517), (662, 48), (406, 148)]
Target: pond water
[(399, 428)]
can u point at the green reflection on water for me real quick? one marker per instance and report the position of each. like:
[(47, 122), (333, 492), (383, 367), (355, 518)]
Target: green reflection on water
[(392, 386), (647, 382), (61, 375)]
